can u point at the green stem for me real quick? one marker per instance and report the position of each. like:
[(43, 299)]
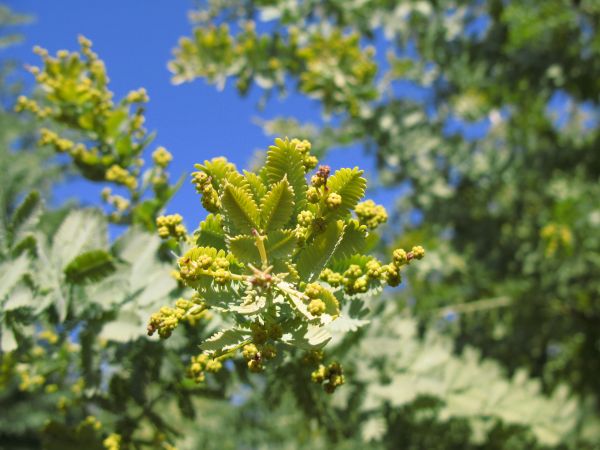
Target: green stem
[(260, 244)]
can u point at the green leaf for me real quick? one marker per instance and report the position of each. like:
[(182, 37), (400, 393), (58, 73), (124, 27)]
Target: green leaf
[(314, 257), (80, 231), (277, 206), (283, 160), (256, 185), (27, 211), (27, 244), (296, 299), (219, 169), (310, 337), (244, 249), (332, 306), (353, 241), (211, 233), (144, 214), (341, 265), (350, 184), (224, 340), (280, 244), (344, 324), (126, 327), (90, 266), (240, 212)]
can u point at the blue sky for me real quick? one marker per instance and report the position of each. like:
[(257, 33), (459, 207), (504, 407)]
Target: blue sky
[(194, 121)]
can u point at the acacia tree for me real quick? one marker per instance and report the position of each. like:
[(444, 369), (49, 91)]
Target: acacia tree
[(498, 147), (79, 304)]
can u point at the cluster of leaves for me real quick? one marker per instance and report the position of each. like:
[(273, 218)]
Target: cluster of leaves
[(506, 104), (278, 257), (330, 66), (105, 139)]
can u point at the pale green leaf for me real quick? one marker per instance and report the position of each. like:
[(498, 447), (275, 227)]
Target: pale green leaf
[(80, 231), (11, 273), (224, 340)]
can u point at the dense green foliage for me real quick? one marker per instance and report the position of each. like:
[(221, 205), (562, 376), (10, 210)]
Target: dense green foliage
[(493, 343), (508, 214)]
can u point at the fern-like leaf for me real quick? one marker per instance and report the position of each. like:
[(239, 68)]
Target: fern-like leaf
[(244, 249), (256, 185), (353, 241), (224, 340), (283, 160), (315, 256), (281, 244), (27, 212), (350, 184), (240, 210), (277, 206), (90, 266), (211, 233)]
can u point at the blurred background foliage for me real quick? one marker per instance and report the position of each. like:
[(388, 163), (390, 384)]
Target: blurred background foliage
[(485, 112)]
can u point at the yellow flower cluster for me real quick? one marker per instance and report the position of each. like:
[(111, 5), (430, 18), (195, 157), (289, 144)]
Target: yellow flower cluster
[(371, 214), (167, 319), (171, 227), (203, 363), (112, 442), (210, 196), (162, 157), (330, 377), (121, 176), (304, 146), (556, 237)]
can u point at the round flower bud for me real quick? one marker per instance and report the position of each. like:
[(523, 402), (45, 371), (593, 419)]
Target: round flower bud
[(250, 351), (319, 375), (213, 365), (374, 269), (221, 263), (259, 334), (255, 366), (317, 181), (333, 200), (305, 218), (393, 276), (275, 331), (418, 252), (400, 257), (316, 307), (222, 276), (360, 285), (312, 195), (310, 162), (312, 290), (354, 271)]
